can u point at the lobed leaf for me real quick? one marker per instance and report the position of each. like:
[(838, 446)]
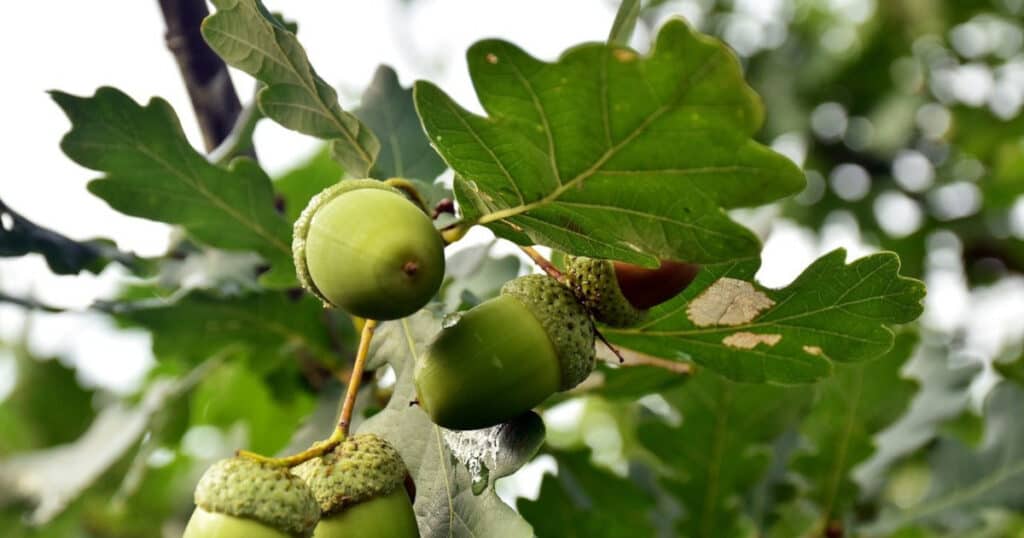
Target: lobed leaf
[(833, 312), (200, 324), (249, 38), (151, 171), (720, 450), (608, 154), (849, 409)]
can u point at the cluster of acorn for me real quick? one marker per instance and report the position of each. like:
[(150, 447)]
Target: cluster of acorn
[(364, 247)]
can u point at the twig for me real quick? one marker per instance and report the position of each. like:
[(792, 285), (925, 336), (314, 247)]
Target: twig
[(635, 358), (544, 264), (31, 304), (607, 344), (341, 431), (356, 377), (206, 77)]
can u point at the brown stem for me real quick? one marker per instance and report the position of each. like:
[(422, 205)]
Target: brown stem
[(635, 358), (341, 431), (544, 264), (206, 77), (356, 377)]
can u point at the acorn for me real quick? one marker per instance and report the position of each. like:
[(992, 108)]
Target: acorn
[(506, 355), (364, 247), (619, 294), (360, 489), (242, 498)]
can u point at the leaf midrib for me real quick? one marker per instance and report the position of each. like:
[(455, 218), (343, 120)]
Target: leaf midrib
[(607, 155)]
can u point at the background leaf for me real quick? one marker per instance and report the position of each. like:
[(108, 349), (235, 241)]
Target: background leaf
[(720, 449), (152, 172), (838, 433), (583, 500), (965, 480), (387, 108), (832, 312), (251, 39), (608, 154)]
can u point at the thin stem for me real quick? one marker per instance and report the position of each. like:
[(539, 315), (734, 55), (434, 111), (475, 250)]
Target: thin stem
[(356, 378), (544, 264), (635, 358), (341, 431), (411, 192)]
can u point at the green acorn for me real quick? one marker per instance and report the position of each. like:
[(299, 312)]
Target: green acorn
[(619, 294), (506, 355), (242, 498), (360, 490), (364, 247)]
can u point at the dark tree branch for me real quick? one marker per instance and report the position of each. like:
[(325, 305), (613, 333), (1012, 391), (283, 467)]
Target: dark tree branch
[(206, 77)]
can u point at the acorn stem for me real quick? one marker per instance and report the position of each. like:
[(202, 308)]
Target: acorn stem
[(365, 337), (320, 448), (410, 192), (544, 264)]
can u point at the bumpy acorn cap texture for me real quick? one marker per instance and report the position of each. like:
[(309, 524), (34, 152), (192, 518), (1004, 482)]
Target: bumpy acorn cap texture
[(594, 282), (361, 468), (270, 495), (565, 320), (301, 227)]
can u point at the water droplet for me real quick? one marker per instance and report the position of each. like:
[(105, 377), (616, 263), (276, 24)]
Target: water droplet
[(451, 320)]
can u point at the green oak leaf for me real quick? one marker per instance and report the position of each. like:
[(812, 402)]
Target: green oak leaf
[(849, 409), (609, 154), (966, 481), (249, 38), (720, 449), (833, 312), (200, 324), (388, 110), (584, 500), (447, 504), (151, 171)]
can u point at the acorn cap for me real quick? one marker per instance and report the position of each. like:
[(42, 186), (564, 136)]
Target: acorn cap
[(249, 489), (301, 227), (596, 286), (361, 468), (564, 319)]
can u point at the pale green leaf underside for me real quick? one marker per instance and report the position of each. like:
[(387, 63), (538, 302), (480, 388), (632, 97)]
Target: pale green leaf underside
[(249, 38), (831, 312), (965, 482), (445, 504), (151, 171), (387, 108), (609, 154)]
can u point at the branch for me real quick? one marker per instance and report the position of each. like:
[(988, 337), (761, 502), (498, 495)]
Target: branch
[(65, 256), (206, 77), (544, 264)]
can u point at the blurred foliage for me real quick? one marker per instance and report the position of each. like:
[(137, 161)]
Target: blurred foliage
[(905, 116)]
